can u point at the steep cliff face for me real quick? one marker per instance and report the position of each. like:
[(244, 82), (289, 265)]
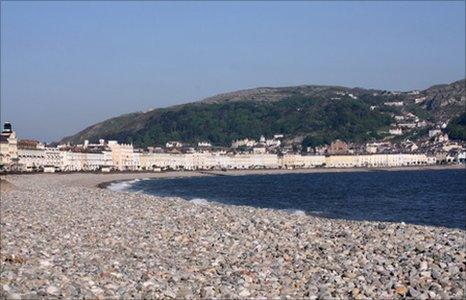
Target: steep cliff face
[(332, 111), (446, 100)]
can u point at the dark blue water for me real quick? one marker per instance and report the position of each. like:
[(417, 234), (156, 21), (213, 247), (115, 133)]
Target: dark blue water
[(421, 197)]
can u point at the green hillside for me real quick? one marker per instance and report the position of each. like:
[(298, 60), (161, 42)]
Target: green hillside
[(318, 113), (457, 127)]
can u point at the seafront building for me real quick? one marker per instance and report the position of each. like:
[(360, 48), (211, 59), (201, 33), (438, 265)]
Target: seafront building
[(123, 156), (378, 160), (8, 148), (106, 156), (31, 155), (53, 158)]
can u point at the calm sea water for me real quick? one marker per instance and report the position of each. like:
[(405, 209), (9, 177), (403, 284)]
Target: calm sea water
[(420, 197)]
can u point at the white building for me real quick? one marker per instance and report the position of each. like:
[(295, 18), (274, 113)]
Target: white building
[(273, 143), (395, 131), (204, 144), (72, 161), (85, 160), (123, 156), (8, 148), (31, 159), (31, 155), (372, 148), (96, 160), (259, 150), (174, 144), (378, 160), (397, 103), (442, 138), (243, 143), (294, 161), (434, 132), (53, 158)]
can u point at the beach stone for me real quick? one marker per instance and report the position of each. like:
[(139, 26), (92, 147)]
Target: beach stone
[(208, 292), (401, 290), (453, 270), (426, 274), (13, 296), (420, 248), (381, 226), (413, 292), (52, 290), (244, 293), (6, 288), (64, 238), (45, 263)]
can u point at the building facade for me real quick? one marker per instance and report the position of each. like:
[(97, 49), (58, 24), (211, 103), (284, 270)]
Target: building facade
[(8, 149), (123, 156)]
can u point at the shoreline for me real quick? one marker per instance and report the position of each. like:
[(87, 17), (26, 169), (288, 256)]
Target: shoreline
[(126, 188), (257, 171), (63, 237), (106, 179), (173, 174)]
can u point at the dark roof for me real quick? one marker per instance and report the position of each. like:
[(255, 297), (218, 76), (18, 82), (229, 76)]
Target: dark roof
[(27, 144)]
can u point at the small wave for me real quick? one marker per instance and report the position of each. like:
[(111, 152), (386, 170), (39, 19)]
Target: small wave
[(317, 212), (119, 186), (296, 212), (122, 186), (199, 201)]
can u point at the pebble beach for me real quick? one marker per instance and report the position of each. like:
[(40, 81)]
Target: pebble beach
[(63, 237)]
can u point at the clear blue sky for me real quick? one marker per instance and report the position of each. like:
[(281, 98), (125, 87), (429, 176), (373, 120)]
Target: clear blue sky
[(67, 65)]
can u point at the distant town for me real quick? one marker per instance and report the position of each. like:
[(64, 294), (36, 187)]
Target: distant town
[(26, 155)]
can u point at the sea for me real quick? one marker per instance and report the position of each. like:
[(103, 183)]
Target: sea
[(426, 197)]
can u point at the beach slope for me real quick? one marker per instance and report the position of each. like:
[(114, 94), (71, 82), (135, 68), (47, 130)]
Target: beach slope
[(63, 237)]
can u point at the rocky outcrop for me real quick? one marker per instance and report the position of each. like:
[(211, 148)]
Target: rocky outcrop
[(447, 100)]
